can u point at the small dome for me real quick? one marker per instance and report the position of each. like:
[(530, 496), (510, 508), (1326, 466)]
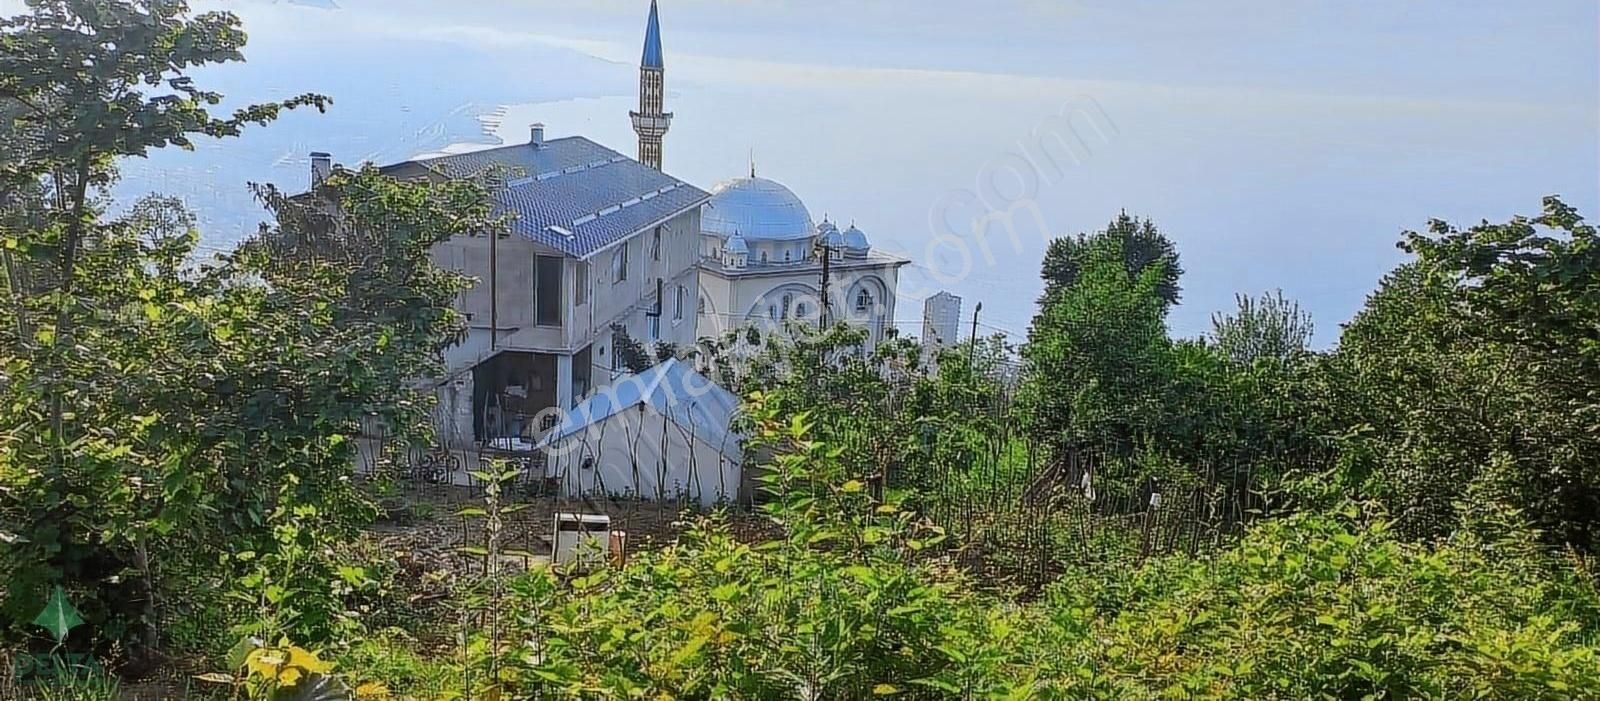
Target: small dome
[(757, 208), (736, 244), (828, 235), (855, 239)]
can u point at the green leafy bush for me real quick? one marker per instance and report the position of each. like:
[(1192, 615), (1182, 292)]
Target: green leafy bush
[(849, 605), (1335, 606)]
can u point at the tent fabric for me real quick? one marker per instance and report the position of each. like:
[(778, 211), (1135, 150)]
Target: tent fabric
[(672, 389)]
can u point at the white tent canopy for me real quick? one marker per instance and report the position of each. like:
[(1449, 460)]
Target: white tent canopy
[(665, 433)]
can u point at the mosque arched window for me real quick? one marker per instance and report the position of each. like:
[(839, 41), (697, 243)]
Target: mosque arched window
[(863, 302)]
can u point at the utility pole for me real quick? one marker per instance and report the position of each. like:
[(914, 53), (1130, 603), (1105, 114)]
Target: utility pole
[(822, 317), (972, 347), (494, 293)]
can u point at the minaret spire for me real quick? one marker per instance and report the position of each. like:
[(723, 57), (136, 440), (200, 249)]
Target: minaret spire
[(650, 122)]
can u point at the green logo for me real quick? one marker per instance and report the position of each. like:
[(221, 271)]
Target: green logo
[(58, 616)]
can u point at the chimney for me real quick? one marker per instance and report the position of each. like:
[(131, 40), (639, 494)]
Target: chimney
[(536, 134), (321, 167)]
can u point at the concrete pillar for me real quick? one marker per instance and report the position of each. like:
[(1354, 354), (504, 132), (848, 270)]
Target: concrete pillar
[(564, 396), (458, 432)]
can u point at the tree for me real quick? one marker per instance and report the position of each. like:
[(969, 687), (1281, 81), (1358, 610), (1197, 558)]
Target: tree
[(135, 96), (1269, 328), (1142, 247), (631, 353), (1097, 356), (1532, 283), (1467, 384), (84, 82), (157, 417)]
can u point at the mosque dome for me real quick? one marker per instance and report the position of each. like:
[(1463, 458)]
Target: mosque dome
[(829, 235), (855, 240), (736, 244), (757, 208)]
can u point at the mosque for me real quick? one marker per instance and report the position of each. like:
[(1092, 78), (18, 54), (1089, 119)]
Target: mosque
[(763, 259)]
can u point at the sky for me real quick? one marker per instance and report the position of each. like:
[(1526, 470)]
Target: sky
[(1282, 144)]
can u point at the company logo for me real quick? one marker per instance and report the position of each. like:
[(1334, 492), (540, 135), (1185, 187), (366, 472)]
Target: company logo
[(58, 617)]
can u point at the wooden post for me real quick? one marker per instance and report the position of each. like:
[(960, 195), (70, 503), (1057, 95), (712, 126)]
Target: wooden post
[(619, 548)]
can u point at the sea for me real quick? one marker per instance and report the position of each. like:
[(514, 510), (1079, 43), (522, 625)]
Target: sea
[(967, 172)]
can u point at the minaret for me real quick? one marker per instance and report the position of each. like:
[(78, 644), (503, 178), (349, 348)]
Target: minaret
[(650, 122)]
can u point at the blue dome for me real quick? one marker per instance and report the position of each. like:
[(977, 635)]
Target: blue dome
[(758, 209), (855, 239), (829, 235), (736, 244)]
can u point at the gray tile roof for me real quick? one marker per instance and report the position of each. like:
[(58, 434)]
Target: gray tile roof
[(573, 194)]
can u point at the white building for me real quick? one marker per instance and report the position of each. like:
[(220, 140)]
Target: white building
[(941, 321), (762, 263), (600, 245)]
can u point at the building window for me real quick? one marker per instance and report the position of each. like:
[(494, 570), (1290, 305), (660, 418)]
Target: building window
[(787, 256), (653, 323), (547, 290), (763, 256), (772, 311), (863, 301), (655, 245), (619, 263), (788, 301), (677, 304), (580, 283), (701, 309), (800, 310)]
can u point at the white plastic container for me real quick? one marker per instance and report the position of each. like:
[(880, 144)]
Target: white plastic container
[(576, 533)]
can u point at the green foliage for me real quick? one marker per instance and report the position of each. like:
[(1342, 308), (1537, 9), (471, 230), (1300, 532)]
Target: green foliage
[(1271, 328), (1139, 245), (1468, 382), (176, 441), (1317, 606), (1098, 355), (630, 352), (224, 425), (959, 414), (856, 398), (848, 605), (397, 660), (88, 685), (831, 610), (1106, 388), (281, 672), (159, 417)]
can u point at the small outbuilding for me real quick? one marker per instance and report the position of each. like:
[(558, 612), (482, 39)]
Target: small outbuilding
[(663, 434)]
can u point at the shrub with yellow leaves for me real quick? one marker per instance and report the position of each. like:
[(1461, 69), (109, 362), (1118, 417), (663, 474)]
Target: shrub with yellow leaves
[(286, 672)]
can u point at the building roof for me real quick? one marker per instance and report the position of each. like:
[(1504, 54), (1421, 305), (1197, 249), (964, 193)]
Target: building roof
[(855, 239), (652, 41), (573, 194), (673, 389), (828, 234), (874, 258), (757, 208)]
